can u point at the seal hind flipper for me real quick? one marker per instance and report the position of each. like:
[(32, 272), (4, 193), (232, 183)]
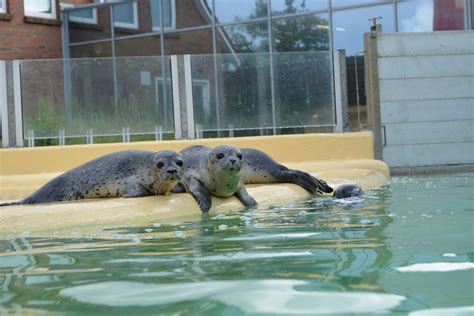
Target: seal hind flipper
[(200, 194), (244, 197)]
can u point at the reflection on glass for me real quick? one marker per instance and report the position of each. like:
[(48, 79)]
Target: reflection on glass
[(280, 7), (349, 26), (303, 89), (126, 15), (97, 100), (83, 16), (169, 14), (144, 46), (191, 42), (240, 10), (244, 38), (78, 32), (304, 33), (430, 15), (38, 6), (345, 3)]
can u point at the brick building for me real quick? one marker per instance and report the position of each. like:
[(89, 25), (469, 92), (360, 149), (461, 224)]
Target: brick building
[(28, 31)]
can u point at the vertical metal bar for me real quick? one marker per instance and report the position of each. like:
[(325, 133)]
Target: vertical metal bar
[(395, 16), (216, 86), (66, 68), (114, 64), (188, 80), (176, 101), (338, 91), (467, 14), (3, 104), (231, 130), (163, 71), (272, 80), (158, 133), (357, 92), (18, 104), (331, 55)]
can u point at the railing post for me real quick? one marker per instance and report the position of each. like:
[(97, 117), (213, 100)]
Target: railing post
[(182, 97), (4, 104), (340, 89), (372, 89), (18, 105)]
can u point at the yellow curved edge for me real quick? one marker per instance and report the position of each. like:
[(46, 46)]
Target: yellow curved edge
[(301, 151)]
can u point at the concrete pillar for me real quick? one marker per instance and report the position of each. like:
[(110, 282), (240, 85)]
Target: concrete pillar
[(372, 89), (10, 104)]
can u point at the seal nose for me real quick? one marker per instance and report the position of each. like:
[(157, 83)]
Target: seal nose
[(232, 161), (172, 171)]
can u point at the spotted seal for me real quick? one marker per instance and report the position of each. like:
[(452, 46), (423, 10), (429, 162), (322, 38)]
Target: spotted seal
[(224, 171), (129, 173)]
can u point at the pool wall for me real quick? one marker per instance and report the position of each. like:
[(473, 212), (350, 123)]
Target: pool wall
[(335, 158)]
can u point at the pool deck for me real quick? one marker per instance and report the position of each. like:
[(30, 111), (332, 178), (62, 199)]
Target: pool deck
[(336, 158)]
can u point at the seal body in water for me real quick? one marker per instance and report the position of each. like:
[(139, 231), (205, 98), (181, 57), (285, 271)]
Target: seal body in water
[(224, 171), (130, 173)]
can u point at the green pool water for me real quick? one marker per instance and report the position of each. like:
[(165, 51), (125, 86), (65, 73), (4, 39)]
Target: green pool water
[(406, 248)]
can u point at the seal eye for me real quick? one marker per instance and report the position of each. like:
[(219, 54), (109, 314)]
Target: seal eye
[(220, 156), (160, 165), (239, 156), (179, 163)]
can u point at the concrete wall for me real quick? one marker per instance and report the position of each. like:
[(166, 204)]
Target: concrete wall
[(426, 83)]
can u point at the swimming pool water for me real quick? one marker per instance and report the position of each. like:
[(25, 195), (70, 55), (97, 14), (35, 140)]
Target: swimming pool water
[(406, 248)]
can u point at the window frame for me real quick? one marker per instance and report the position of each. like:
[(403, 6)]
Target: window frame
[(134, 25), (4, 8), (173, 19), (93, 20), (50, 16)]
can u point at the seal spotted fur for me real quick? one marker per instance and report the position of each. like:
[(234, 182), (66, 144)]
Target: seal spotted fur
[(224, 171), (130, 173)]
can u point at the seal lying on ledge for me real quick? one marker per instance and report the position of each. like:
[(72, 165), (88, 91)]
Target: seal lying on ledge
[(224, 171), (129, 173)]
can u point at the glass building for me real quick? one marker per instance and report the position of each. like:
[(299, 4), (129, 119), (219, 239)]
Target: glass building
[(263, 65)]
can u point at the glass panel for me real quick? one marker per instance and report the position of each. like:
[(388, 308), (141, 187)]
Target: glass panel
[(303, 91), (38, 6), (124, 13), (240, 10), (304, 33), (349, 26), (144, 46), (430, 15), (80, 32), (243, 38), (87, 94), (280, 7), (82, 14), (181, 14), (92, 50), (193, 42), (345, 3)]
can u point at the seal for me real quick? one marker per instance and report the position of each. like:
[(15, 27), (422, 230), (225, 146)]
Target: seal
[(348, 190), (224, 171), (129, 173)]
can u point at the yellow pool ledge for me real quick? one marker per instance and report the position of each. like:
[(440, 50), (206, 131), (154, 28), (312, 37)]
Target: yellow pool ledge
[(337, 158)]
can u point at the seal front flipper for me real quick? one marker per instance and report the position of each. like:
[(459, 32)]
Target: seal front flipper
[(200, 194), (244, 197), (179, 188), (136, 191)]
